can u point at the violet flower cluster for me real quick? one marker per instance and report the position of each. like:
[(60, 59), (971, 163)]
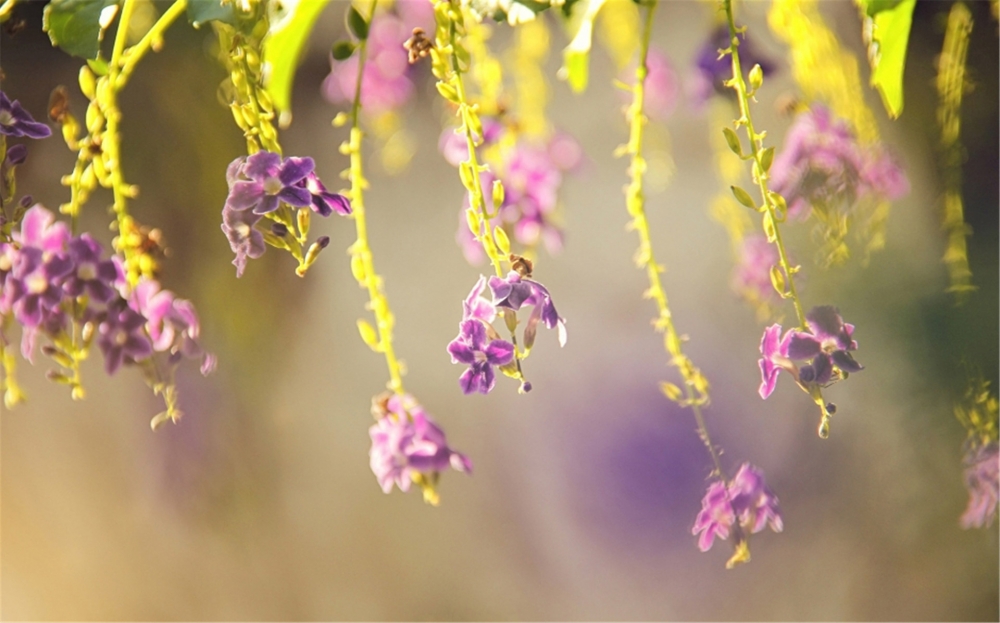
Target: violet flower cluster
[(982, 479), (746, 505), (822, 165), (479, 346), (409, 447), (261, 183), (531, 175), (387, 84), (826, 347), (51, 278)]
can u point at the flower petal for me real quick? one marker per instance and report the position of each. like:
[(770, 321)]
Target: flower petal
[(803, 346)]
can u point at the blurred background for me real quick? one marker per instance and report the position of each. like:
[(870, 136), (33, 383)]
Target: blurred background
[(259, 503)]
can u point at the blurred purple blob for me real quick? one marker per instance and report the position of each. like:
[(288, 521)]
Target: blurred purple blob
[(406, 441), (822, 164), (982, 479)]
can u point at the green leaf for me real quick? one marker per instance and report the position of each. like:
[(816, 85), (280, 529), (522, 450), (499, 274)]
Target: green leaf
[(357, 23), (283, 49), (98, 65), (76, 25), (576, 55), (889, 35), (202, 11), (873, 7), (342, 50)]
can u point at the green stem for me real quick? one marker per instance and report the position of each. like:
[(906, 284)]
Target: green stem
[(134, 54), (378, 301), (770, 209), (478, 199), (695, 384), (760, 174)]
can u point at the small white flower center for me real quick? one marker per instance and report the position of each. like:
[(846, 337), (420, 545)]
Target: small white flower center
[(121, 337), (243, 230), (273, 186), (5, 263), (36, 282), (5, 117), (87, 271), (480, 356)]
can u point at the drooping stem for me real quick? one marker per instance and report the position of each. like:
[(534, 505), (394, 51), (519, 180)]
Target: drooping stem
[(469, 121), (773, 206), (695, 393), (361, 255), (771, 200)]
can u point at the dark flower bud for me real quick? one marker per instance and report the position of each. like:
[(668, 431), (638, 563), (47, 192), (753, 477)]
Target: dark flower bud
[(323, 241), (279, 229), (16, 154), (26, 201)]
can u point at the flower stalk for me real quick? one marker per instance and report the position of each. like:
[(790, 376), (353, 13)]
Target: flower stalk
[(695, 393), (362, 261), (773, 208)]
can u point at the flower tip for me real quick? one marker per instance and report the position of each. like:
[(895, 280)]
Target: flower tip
[(740, 556)]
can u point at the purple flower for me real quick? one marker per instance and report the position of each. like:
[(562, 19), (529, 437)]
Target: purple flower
[(16, 121), (40, 229), (16, 155), (515, 291), (827, 345), (747, 500), (713, 69), (265, 180), (475, 349), (822, 164), (753, 501), (156, 306), (121, 337), (774, 351), (91, 274), (34, 286), (716, 517), (474, 306), (407, 442), (982, 479), (386, 85), (244, 239), (323, 201)]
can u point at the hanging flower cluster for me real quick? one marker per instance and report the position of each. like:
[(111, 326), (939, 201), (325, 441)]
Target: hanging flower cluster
[(409, 447), (53, 282), (479, 346), (261, 184), (530, 175), (744, 506), (388, 80), (822, 165), (826, 346)]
